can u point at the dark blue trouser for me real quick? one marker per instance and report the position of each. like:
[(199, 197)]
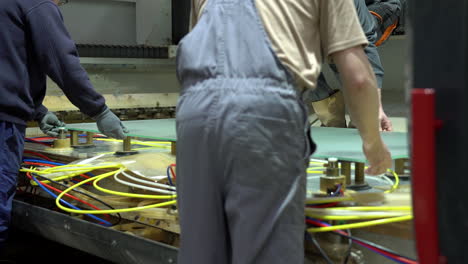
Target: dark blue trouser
[(11, 151)]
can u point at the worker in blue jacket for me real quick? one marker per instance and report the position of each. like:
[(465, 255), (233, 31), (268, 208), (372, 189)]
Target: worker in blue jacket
[(378, 18), (34, 44)]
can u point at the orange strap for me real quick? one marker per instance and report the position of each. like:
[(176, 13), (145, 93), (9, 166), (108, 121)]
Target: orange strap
[(377, 15), (386, 34)]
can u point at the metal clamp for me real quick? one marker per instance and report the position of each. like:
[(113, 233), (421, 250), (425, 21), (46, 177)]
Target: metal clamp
[(75, 143), (127, 148)]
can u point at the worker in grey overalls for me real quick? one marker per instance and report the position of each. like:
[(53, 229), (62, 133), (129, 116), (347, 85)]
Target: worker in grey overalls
[(243, 141)]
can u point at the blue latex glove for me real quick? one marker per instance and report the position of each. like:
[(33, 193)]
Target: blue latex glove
[(110, 125), (50, 124)]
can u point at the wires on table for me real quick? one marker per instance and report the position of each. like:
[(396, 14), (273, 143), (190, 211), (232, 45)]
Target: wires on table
[(372, 246), (72, 170), (314, 241), (35, 141), (350, 248), (119, 217), (171, 174), (169, 178), (142, 184), (101, 221), (36, 154), (37, 162), (327, 208), (397, 182)]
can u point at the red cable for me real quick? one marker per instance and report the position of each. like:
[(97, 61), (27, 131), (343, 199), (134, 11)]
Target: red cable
[(38, 142), (43, 138), (172, 171), (366, 245), (37, 154), (324, 205), (70, 196), (38, 164)]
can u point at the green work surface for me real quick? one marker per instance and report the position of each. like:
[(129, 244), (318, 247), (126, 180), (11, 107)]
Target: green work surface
[(157, 129), (344, 144)]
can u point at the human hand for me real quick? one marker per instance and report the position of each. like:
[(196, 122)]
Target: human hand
[(110, 125), (385, 123), (50, 124), (378, 156)]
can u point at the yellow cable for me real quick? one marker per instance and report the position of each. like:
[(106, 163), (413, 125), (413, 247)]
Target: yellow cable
[(316, 162), (397, 182), (350, 217), (159, 142), (137, 142), (362, 224), (28, 170), (124, 210), (72, 168), (373, 208), (315, 172), (78, 171), (133, 195), (328, 200), (61, 178), (44, 171), (90, 168), (68, 176), (108, 139)]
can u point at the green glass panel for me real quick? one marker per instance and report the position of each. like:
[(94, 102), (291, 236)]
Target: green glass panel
[(344, 144), (157, 129)]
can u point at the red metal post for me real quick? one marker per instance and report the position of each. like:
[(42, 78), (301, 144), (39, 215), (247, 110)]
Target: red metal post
[(423, 161)]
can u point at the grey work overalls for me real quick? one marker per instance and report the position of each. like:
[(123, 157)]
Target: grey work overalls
[(242, 144)]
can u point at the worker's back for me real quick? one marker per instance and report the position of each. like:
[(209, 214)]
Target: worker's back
[(303, 33)]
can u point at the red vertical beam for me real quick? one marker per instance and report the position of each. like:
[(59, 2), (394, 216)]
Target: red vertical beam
[(423, 162)]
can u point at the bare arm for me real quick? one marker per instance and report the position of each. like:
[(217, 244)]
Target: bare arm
[(362, 99)]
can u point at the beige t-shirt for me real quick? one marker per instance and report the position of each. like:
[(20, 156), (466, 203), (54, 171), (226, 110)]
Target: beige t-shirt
[(303, 32)]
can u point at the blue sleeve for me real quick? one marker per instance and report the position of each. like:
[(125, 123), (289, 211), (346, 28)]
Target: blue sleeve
[(58, 57), (41, 111)]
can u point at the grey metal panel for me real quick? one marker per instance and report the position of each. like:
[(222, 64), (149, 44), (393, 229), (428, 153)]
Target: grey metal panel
[(103, 242), (101, 22), (154, 22), (119, 22), (129, 81), (394, 54)]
